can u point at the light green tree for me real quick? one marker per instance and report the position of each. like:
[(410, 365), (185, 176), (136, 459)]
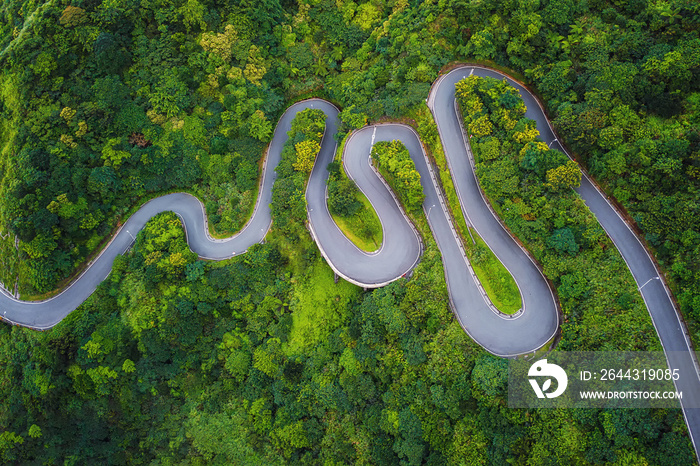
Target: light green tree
[(259, 127), (564, 176), (306, 155)]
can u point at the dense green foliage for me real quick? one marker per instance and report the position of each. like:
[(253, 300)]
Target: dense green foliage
[(262, 359), (298, 156), (634, 138), (494, 277), (529, 185), (177, 360), (395, 164), (99, 101), (342, 193)]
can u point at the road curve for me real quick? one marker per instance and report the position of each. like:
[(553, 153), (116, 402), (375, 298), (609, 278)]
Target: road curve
[(664, 315), (499, 334), (399, 253), (45, 314), (539, 320), (401, 249)]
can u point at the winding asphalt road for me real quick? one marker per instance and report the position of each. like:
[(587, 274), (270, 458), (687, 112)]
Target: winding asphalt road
[(664, 315), (46, 314), (401, 249)]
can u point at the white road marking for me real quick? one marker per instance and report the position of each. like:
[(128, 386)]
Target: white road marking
[(646, 282)]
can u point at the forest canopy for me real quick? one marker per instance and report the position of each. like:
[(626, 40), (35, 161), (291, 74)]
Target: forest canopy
[(105, 104)]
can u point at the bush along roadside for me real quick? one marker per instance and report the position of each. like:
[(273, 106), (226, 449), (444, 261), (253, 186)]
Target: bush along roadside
[(494, 277), (529, 186), (288, 206), (395, 165)]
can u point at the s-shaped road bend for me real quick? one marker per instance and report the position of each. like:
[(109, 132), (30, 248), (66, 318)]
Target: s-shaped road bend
[(664, 315), (531, 329)]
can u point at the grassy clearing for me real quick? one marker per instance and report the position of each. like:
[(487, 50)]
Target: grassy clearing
[(495, 278), (364, 228), (319, 307)]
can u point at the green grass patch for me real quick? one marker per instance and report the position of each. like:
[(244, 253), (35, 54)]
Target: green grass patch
[(319, 307), (495, 278), (363, 228)]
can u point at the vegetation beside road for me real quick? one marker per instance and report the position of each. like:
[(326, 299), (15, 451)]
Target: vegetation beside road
[(288, 206), (350, 208), (392, 160), (494, 277), (529, 186), (181, 361), (496, 280)]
